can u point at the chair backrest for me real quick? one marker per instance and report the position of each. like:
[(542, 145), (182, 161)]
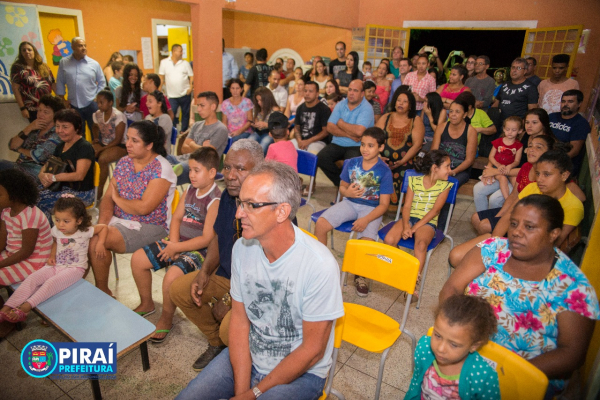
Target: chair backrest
[(173, 136), (307, 165), (175, 202), (96, 174), (308, 233), (518, 378), (451, 199), (229, 142)]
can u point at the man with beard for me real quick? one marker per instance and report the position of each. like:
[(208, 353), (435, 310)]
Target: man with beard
[(570, 127)]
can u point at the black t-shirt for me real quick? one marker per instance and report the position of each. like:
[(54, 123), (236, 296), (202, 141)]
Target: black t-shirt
[(312, 120), (258, 76), (513, 99), (225, 228), (345, 78), (82, 149), (336, 66)]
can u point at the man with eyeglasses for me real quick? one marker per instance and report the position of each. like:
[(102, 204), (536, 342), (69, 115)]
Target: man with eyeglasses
[(193, 292), (530, 74), (482, 85), (286, 294), (518, 95), (338, 64)]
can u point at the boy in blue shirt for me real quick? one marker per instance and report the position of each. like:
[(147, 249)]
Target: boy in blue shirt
[(366, 185)]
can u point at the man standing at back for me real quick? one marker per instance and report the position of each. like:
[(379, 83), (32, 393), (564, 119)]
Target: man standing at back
[(178, 79), (259, 74), (230, 71), (83, 79), (482, 85), (517, 96), (347, 123), (279, 92), (530, 74), (338, 64), (551, 89)]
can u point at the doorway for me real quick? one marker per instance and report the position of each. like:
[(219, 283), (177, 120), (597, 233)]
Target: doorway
[(166, 33)]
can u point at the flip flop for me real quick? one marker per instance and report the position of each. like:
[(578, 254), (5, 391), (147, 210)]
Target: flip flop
[(156, 340), (21, 316), (145, 314)]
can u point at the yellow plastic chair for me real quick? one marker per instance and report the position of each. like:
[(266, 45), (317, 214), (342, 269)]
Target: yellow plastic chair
[(309, 234), (365, 327), (174, 204), (518, 378), (337, 342)]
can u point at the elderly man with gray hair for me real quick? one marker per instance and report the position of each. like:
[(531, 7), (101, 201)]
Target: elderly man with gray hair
[(286, 295), (193, 292), (83, 79)]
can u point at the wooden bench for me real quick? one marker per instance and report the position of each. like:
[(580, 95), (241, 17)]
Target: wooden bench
[(84, 313)]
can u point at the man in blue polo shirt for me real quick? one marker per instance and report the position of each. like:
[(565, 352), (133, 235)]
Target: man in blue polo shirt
[(347, 123), (570, 127), (83, 78)]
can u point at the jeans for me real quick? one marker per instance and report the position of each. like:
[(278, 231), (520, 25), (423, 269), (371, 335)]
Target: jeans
[(481, 193), (87, 113), (185, 103), (215, 382), (263, 139), (330, 154), (243, 135)]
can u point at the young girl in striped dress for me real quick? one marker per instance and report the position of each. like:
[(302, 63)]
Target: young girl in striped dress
[(68, 259), (25, 239)]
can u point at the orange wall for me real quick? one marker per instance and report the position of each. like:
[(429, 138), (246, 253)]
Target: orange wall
[(111, 25), (240, 29), (548, 13)]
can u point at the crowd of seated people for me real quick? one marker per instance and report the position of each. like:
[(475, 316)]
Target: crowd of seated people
[(223, 244)]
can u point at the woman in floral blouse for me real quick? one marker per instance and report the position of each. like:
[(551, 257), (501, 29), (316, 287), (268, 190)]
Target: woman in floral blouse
[(544, 304), (31, 79), (137, 204)]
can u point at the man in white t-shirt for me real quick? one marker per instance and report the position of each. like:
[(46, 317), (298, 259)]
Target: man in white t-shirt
[(279, 92), (286, 295), (178, 83)]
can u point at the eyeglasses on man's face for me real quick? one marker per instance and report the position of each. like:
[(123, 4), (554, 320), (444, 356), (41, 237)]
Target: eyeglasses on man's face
[(517, 68), (249, 206)]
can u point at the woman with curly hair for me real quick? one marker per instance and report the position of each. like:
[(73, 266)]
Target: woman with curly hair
[(31, 79), (129, 94)]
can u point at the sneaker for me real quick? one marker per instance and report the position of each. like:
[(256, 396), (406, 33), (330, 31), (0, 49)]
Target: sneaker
[(362, 289), (178, 169), (206, 357)]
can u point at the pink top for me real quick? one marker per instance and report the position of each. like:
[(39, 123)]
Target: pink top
[(284, 152), (382, 96), (293, 105), (29, 218), (421, 87), (451, 95)]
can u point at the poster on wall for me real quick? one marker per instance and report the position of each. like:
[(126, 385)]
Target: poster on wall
[(19, 23)]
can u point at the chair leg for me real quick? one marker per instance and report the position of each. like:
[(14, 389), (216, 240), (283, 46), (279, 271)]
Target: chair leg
[(451, 247), (332, 248), (380, 375), (116, 268), (423, 277), (413, 346), (337, 394)]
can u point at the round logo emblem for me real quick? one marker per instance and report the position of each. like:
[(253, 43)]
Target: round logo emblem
[(39, 358)]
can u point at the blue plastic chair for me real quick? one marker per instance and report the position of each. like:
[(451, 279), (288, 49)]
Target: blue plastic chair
[(307, 165), (229, 142), (439, 234)]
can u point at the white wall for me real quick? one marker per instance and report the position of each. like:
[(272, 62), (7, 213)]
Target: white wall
[(11, 122)]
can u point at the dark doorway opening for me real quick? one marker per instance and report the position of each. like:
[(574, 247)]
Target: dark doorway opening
[(501, 46)]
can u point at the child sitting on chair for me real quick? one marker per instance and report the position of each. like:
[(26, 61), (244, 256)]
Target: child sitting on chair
[(366, 185), (184, 250), (68, 259), (281, 149), (425, 197), (447, 364)]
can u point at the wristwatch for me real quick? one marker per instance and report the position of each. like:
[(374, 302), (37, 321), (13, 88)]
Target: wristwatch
[(22, 108), (256, 392), (22, 135), (53, 178)]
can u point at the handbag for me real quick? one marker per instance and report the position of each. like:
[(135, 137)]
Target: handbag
[(56, 165)]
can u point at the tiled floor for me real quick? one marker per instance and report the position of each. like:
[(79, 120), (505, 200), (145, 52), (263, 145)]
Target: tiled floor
[(171, 361)]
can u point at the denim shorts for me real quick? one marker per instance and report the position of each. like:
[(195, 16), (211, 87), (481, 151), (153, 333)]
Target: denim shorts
[(413, 220), (188, 261)]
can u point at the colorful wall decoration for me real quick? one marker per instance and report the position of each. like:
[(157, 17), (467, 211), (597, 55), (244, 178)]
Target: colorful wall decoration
[(19, 23)]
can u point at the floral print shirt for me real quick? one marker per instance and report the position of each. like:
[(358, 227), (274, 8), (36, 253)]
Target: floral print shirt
[(237, 115), (32, 85), (527, 310), (132, 185)]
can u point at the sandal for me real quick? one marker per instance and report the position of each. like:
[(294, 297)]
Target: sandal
[(145, 314), (162, 339), (20, 316)]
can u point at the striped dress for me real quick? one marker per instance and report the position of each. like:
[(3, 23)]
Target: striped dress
[(29, 218)]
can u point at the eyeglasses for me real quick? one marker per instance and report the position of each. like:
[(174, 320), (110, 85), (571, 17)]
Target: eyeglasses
[(517, 68), (470, 62), (251, 207), (480, 63)]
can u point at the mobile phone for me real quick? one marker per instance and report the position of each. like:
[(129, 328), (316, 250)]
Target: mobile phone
[(429, 49), (458, 53)]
